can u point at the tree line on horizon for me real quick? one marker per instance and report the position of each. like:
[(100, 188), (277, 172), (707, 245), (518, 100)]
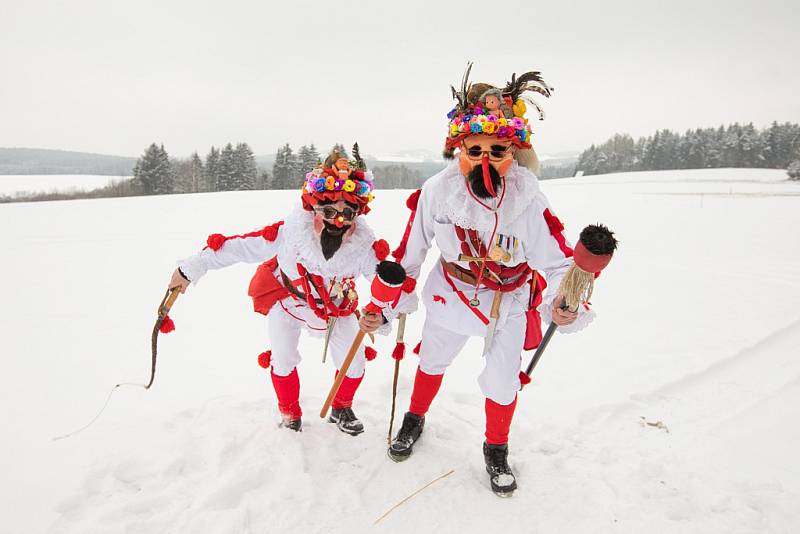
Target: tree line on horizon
[(775, 147)]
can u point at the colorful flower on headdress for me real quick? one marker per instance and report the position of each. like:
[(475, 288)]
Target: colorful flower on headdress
[(319, 184), (519, 108), (504, 116), (349, 186), (330, 183)]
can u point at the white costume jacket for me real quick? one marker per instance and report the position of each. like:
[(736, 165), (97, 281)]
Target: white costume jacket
[(297, 248)]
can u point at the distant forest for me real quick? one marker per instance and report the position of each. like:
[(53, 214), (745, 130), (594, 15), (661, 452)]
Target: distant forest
[(42, 161), (234, 168), (776, 147)]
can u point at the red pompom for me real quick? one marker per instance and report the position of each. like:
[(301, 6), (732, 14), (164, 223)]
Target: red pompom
[(264, 359), (370, 353), (409, 284), (416, 349), (413, 200), (270, 233), (399, 351), (215, 241), (524, 379), (381, 248), (167, 325)]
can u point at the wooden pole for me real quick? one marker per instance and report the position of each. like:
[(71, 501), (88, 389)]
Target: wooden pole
[(342, 371)]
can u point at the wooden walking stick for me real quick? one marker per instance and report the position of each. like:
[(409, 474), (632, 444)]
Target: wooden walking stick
[(397, 354), (164, 324), (342, 371), (592, 254), (386, 286)]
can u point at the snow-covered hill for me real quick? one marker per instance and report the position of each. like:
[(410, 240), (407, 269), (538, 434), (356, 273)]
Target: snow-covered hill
[(675, 411), (12, 185)]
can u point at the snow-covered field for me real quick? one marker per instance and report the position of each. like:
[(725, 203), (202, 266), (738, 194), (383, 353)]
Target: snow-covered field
[(698, 329), (14, 184)]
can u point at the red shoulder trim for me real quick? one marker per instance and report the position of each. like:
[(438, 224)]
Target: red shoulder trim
[(556, 230), (412, 202), (270, 233)]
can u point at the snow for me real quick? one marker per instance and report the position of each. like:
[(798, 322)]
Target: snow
[(45, 183), (675, 411)]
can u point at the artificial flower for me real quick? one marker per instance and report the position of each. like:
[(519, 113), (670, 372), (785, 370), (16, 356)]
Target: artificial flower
[(519, 108), (349, 186), (319, 185)]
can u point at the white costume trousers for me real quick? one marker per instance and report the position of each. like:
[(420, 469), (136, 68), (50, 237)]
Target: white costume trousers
[(499, 379), (284, 329)]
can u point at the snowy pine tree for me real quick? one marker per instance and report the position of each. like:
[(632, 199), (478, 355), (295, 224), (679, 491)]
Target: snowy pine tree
[(153, 172), (211, 174), (245, 171), (226, 170), (283, 168)]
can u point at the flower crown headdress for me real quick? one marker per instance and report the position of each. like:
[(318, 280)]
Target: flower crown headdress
[(482, 108), (339, 179)]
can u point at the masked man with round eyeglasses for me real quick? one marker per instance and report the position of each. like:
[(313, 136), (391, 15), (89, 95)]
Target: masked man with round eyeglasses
[(306, 280), (500, 246)]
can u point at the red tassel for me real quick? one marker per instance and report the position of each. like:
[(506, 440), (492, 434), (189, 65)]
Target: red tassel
[(264, 359), (416, 349), (370, 353), (524, 379), (167, 325), (399, 351)]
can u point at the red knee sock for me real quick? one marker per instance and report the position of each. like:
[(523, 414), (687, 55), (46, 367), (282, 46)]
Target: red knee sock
[(498, 421), (287, 388), (344, 397), (425, 388)]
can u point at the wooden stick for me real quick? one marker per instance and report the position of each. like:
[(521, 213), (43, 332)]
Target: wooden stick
[(342, 371), (409, 497)]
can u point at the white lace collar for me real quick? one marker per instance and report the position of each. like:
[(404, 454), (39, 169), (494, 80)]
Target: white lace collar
[(456, 205), (300, 242)]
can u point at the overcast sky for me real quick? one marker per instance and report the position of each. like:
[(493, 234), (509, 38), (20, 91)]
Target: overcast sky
[(112, 77)]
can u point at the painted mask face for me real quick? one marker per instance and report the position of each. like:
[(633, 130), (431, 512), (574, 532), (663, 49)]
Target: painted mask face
[(336, 218), (484, 159)]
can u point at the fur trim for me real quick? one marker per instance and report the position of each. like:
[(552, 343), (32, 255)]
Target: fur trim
[(454, 203)]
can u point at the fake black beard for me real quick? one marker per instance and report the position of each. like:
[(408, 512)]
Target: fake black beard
[(476, 181), (331, 239)]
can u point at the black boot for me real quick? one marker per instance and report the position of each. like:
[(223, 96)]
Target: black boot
[(500, 475), (346, 421), (292, 424), (402, 445)]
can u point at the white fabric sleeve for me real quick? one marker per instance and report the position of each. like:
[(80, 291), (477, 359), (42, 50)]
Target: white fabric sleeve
[(253, 249), (543, 253)]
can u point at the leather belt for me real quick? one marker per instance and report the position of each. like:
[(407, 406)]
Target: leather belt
[(287, 283), (456, 271)]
